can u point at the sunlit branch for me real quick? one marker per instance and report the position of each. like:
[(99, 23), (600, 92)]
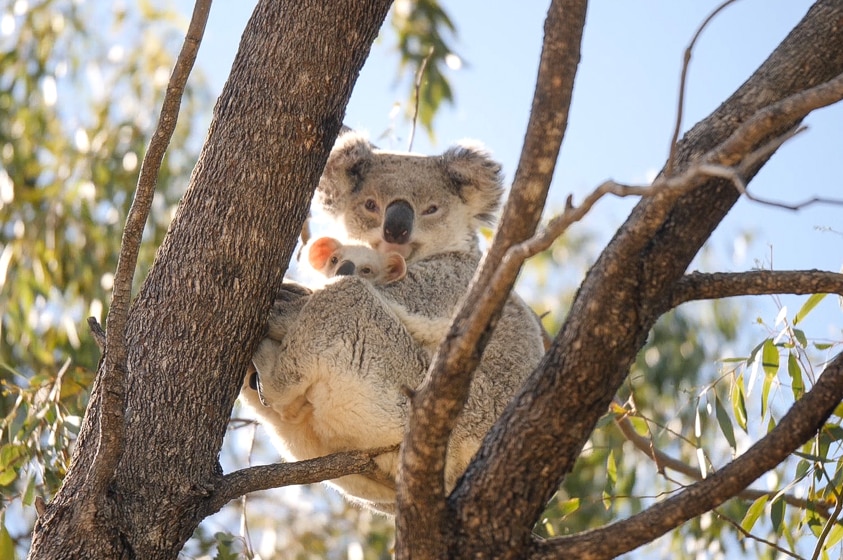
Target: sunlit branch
[(698, 285), (277, 475)]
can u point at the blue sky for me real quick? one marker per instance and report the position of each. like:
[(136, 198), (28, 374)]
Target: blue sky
[(622, 115)]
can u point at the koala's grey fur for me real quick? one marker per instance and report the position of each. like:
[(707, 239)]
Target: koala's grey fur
[(335, 360)]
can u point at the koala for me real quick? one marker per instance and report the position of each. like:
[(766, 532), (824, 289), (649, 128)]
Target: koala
[(332, 368), (331, 258)]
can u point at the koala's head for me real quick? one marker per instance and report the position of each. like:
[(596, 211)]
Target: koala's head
[(413, 205), (332, 258)]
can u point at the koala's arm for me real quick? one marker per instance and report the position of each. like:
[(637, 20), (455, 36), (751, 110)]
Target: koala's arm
[(433, 287), (427, 331)]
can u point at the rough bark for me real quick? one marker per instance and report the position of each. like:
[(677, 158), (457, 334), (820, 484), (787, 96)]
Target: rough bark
[(530, 450), (200, 312), (422, 518)]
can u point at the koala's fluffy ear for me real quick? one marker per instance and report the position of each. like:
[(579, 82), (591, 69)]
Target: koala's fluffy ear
[(396, 268), (477, 179), (321, 250), (347, 165)]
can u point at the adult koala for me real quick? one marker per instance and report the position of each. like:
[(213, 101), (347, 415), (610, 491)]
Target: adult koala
[(331, 370)]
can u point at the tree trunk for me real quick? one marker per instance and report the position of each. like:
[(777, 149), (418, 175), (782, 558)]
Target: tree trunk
[(202, 309)]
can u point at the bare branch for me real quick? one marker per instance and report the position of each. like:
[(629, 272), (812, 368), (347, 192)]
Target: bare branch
[(417, 89), (663, 460), (113, 370), (438, 402), (686, 61), (800, 423), (265, 477), (698, 285)]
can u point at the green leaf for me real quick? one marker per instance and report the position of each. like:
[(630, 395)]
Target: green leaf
[(569, 506), (777, 514), (753, 513), (795, 372), (7, 476), (611, 470), (823, 345), (739, 403), (29, 491), (770, 358), (765, 393), (800, 337), (809, 305), (725, 422), (7, 545)]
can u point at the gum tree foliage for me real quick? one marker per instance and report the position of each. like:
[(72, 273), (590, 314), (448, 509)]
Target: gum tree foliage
[(76, 111), (670, 410)]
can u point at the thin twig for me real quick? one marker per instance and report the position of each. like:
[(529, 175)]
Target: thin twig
[(682, 79), (419, 76), (663, 460), (796, 427), (111, 421), (749, 535), (830, 522)]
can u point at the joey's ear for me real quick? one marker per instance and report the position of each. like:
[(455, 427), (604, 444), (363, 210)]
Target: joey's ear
[(396, 268), (347, 166), (321, 250), (477, 179)]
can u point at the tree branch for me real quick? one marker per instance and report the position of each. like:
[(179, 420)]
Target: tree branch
[(698, 285), (663, 461), (113, 370), (265, 477), (686, 62), (529, 451), (800, 424), (438, 402)]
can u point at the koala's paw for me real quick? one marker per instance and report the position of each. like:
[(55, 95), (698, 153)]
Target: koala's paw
[(285, 309)]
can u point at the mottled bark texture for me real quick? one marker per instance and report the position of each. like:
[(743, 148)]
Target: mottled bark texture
[(202, 309)]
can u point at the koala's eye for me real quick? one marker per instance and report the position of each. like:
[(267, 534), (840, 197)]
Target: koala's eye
[(432, 209), (334, 259), (366, 271), (371, 205)]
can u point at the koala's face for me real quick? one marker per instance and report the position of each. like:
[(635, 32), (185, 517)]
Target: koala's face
[(412, 205), (332, 258)]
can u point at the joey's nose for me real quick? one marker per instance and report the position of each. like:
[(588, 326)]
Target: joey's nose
[(346, 269), (398, 222)]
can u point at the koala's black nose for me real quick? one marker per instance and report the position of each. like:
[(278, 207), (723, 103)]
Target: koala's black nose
[(346, 269), (398, 222)]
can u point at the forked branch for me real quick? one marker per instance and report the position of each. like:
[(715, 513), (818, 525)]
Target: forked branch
[(113, 369)]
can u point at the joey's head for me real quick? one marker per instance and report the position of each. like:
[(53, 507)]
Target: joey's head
[(413, 205), (332, 258)]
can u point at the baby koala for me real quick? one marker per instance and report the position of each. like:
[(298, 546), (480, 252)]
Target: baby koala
[(332, 258)]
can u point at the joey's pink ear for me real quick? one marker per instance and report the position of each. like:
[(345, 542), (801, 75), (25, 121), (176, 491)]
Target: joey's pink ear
[(345, 171), (321, 250), (477, 179), (396, 268)]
